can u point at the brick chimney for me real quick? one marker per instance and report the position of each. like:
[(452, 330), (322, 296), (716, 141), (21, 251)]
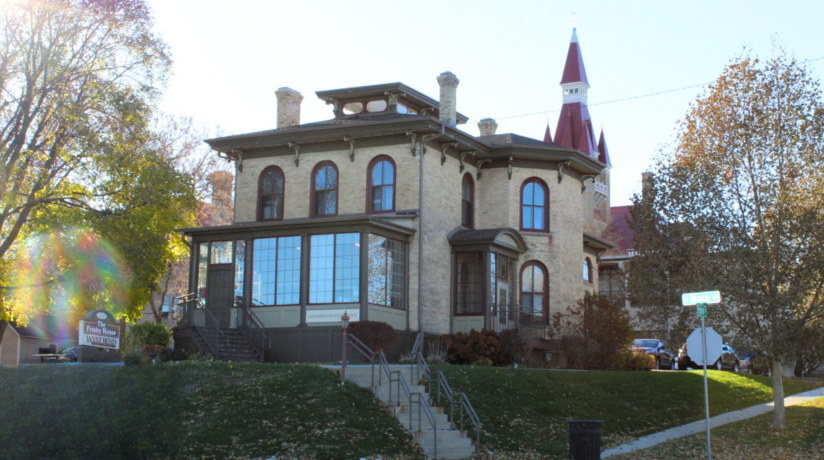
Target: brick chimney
[(487, 127), (448, 110), (288, 107)]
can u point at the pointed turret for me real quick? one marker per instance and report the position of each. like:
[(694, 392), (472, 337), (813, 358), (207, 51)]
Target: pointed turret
[(574, 126), (547, 134), (603, 151)]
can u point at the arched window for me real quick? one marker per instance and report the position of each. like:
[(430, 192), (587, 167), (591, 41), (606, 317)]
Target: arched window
[(534, 205), (468, 201), (535, 289), (381, 177), (587, 270), (270, 194), (324, 199)]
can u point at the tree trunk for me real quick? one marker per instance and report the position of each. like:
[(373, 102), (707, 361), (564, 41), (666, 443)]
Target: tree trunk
[(2, 329), (779, 418)]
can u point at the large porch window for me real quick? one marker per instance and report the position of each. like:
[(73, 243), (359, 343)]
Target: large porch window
[(276, 271), (469, 283), (387, 259), (334, 268)]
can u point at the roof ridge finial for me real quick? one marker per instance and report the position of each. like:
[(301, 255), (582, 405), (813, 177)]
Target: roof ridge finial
[(574, 38)]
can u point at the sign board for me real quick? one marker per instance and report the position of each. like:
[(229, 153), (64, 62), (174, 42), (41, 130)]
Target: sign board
[(332, 316), (693, 298), (702, 309), (98, 329), (714, 347)]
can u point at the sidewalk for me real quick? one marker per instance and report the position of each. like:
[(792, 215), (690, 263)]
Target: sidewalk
[(701, 426)]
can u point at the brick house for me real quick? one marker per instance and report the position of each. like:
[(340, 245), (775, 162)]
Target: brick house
[(390, 212)]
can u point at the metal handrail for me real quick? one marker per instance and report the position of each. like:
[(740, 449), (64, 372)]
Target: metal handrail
[(397, 376), (250, 325), (184, 301), (455, 399)]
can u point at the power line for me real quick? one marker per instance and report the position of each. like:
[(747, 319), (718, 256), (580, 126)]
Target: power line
[(626, 98)]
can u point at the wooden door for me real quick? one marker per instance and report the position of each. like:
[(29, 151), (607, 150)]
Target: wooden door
[(220, 286)]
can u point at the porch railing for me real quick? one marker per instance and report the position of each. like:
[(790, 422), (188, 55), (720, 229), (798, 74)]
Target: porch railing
[(195, 314), (457, 401), (379, 359), (503, 317), (252, 328)]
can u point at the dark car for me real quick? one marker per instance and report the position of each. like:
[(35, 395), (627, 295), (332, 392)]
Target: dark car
[(755, 362), (664, 359), (70, 354), (728, 361)]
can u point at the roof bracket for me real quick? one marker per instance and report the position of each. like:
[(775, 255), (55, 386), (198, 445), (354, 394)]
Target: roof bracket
[(470, 153), (448, 145), (239, 159), (584, 178), (480, 165), (509, 167), (392, 101), (351, 143), (335, 106), (412, 135), (427, 110), (296, 148), (562, 165), (424, 139)]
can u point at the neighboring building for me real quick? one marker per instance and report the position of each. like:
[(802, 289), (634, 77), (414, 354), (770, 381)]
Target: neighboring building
[(330, 217), (21, 343)]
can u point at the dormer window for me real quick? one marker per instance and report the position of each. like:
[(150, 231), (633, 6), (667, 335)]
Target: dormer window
[(354, 108), (406, 109)]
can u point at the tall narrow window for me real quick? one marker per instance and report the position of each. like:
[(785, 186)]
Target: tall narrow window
[(468, 201), (534, 285), (325, 189), (469, 283), (534, 205), (276, 271), (270, 194), (202, 270), (587, 270), (386, 271), (240, 266), (334, 268), (381, 184)]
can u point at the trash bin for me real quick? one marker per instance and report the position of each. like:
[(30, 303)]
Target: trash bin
[(585, 439)]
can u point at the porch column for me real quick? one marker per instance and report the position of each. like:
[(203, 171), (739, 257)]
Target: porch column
[(486, 298), (363, 283), (304, 278)]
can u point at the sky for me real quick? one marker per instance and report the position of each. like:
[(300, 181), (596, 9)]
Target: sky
[(231, 56)]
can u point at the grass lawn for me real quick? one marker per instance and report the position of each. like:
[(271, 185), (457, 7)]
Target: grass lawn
[(525, 409), (803, 439), (191, 410)]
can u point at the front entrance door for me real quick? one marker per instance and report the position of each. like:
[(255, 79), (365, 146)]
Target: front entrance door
[(505, 308), (220, 285)]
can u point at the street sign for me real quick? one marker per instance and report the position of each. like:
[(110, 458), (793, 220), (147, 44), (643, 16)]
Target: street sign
[(714, 345), (702, 309), (693, 298)]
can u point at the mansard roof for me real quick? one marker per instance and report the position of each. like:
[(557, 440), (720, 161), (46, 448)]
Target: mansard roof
[(575, 129)]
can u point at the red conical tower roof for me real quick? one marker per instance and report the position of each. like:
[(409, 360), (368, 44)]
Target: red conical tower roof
[(547, 134), (603, 151), (574, 69)]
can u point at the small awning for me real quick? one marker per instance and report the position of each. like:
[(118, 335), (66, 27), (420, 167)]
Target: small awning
[(597, 243), (504, 240)]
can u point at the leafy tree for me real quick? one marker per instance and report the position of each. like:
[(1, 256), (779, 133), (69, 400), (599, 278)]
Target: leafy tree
[(80, 147), (738, 205)]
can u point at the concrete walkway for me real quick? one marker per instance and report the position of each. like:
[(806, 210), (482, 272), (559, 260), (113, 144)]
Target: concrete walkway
[(701, 426)]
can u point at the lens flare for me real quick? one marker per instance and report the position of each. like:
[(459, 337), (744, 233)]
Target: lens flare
[(69, 273)]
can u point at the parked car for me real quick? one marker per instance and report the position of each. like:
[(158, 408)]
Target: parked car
[(70, 354), (756, 362), (728, 361), (664, 358)]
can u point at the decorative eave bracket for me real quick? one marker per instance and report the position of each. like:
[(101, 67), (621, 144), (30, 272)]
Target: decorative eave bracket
[(392, 101), (584, 178), (335, 106), (481, 164), (509, 167), (424, 139), (470, 153), (448, 145), (233, 155), (296, 148), (351, 143), (562, 165), (412, 136)]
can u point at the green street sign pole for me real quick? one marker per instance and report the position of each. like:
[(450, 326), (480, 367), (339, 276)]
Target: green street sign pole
[(706, 392)]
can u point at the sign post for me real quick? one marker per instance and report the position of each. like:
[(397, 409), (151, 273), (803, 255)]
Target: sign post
[(700, 300)]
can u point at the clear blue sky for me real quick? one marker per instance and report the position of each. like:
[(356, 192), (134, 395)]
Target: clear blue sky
[(231, 56)]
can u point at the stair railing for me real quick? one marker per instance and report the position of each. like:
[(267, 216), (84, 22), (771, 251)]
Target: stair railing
[(252, 328), (209, 330), (397, 377), (457, 401)]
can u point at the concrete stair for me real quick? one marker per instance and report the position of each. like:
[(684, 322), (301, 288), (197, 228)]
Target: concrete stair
[(452, 443), (233, 346)]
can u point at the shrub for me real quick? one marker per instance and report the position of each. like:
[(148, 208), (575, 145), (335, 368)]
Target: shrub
[(134, 358), (436, 351), (148, 334), (635, 361), (482, 361), (376, 335), (513, 343), (467, 348)]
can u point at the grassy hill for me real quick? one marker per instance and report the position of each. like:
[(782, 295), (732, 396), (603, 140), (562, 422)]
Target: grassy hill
[(525, 409), (191, 410)]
